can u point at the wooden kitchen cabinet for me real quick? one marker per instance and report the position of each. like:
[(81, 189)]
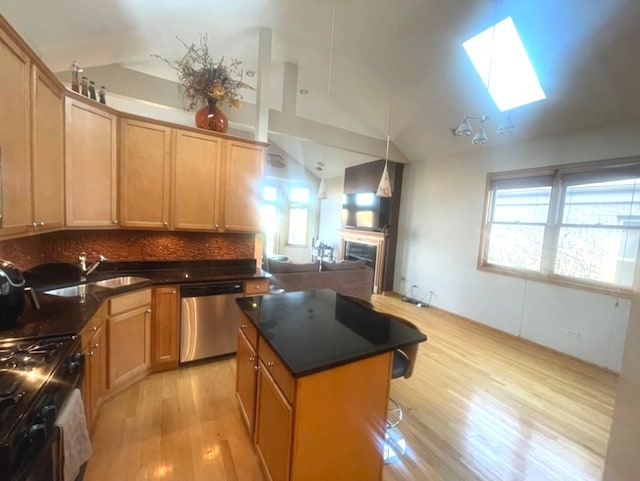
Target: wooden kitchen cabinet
[(242, 175), (15, 149), (47, 164), (90, 164), (273, 427), (94, 348), (145, 161), (247, 371), (165, 328), (196, 186), (336, 414), (129, 326)]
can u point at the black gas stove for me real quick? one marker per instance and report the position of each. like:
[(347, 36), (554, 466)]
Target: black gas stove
[(36, 377)]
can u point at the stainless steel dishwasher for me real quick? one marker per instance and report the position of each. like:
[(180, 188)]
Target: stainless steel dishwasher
[(208, 320)]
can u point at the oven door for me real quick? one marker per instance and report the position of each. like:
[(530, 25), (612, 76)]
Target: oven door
[(46, 464)]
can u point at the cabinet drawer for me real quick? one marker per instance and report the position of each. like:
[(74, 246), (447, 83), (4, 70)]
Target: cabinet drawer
[(92, 325), (286, 382), (256, 286), (249, 330), (130, 301)]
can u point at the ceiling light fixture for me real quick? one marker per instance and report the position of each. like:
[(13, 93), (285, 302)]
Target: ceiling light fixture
[(384, 186), (480, 137)]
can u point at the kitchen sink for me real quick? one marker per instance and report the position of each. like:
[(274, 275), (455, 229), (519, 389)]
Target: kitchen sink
[(72, 291), (116, 282)]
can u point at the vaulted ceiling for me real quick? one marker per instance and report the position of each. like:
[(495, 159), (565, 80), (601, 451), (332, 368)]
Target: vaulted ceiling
[(373, 75)]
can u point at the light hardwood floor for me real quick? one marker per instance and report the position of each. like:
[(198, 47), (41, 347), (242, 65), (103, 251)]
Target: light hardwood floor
[(480, 406)]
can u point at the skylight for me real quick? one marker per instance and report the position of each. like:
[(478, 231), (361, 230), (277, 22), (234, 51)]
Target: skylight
[(507, 73)]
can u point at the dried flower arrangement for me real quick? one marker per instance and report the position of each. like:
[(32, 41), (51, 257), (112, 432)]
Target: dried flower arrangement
[(206, 81)]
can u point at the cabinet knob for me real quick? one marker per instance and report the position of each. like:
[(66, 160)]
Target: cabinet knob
[(149, 310), (257, 367), (88, 354), (41, 224), (34, 224), (96, 345), (173, 291), (243, 326), (271, 364), (94, 328), (216, 227), (165, 223), (114, 221), (252, 358), (226, 227)]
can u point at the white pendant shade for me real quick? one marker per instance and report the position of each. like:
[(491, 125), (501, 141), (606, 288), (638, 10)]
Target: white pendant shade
[(322, 190), (384, 187)]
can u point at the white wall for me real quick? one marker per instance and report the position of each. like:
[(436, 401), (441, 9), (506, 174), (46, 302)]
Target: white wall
[(439, 236)]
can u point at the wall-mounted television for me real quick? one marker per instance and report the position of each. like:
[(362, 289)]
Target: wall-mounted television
[(366, 211)]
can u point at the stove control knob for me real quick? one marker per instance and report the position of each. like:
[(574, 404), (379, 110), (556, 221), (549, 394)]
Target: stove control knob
[(48, 412), (75, 363), (38, 433)]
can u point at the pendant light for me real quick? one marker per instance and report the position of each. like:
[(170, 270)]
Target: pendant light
[(322, 188), (384, 186)]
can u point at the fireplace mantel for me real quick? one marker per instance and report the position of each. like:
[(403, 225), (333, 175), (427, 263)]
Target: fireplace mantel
[(377, 239)]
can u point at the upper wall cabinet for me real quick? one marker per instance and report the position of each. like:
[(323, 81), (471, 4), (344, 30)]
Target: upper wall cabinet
[(242, 175), (91, 163), (15, 149), (197, 170), (48, 153), (145, 161), (31, 142)]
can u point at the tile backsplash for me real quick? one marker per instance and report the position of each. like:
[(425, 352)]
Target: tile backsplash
[(126, 245)]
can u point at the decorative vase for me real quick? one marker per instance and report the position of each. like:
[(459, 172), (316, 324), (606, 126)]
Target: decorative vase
[(212, 117)]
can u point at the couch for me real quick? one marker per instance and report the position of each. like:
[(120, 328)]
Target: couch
[(351, 278)]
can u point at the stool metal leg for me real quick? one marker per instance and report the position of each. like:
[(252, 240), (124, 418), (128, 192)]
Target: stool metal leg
[(394, 414)]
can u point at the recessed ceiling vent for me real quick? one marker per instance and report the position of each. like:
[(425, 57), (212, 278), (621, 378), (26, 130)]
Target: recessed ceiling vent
[(276, 160)]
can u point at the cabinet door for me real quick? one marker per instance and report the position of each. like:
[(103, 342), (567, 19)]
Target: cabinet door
[(94, 385), (48, 154), (197, 167), (242, 178), (90, 170), (274, 420), (246, 376), (145, 150), (165, 320), (15, 150), (129, 345)]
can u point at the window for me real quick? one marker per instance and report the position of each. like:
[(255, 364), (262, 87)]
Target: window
[(270, 217), (578, 225), (502, 62), (298, 216)]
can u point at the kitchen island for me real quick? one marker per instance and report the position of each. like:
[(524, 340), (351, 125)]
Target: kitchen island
[(313, 380)]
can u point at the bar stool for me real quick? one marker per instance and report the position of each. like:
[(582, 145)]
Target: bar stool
[(404, 359)]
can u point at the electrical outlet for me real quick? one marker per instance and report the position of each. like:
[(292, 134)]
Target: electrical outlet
[(572, 333)]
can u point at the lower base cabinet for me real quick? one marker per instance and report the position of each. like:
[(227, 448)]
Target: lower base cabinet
[(94, 349), (274, 424), (129, 337), (328, 425)]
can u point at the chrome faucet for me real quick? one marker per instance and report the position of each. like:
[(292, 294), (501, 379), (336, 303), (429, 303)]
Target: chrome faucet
[(86, 271)]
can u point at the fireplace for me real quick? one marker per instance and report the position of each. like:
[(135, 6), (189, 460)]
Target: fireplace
[(354, 251), (368, 246)]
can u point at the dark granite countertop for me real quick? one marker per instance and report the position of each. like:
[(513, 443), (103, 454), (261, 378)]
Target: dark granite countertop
[(316, 330), (67, 315)]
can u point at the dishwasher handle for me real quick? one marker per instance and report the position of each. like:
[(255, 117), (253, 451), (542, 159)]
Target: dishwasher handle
[(201, 290)]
